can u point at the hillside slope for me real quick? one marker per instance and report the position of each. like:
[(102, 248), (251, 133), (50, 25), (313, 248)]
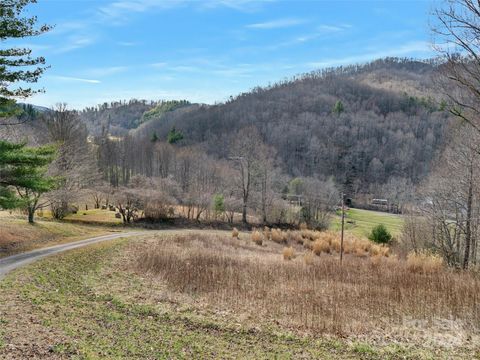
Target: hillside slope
[(364, 125)]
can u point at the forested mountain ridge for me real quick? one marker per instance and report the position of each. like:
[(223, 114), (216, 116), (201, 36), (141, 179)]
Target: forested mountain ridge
[(373, 128), (116, 118), (344, 122)]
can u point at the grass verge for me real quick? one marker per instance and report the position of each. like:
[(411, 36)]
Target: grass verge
[(17, 235)]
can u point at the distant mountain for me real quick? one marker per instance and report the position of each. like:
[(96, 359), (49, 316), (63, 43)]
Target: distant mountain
[(369, 126), (115, 118), (365, 125), (35, 107)]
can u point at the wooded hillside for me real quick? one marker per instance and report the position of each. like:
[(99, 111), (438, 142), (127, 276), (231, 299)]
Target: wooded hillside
[(364, 125)]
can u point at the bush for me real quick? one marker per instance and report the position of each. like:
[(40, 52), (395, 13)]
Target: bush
[(267, 233), (235, 233), (308, 258), (380, 234), (278, 236), (257, 237), (424, 263), (219, 204), (321, 245), (288, 253)]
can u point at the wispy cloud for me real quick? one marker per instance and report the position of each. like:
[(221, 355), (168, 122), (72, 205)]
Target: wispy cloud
[(319, 32), (238, 5), (158, 64), (106, 71), (120, 10), (75, 79), (326, 28), (407, 49), (75, 42), (276, 24)]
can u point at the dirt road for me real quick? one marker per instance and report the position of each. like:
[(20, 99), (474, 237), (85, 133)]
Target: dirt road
[(12, 262)]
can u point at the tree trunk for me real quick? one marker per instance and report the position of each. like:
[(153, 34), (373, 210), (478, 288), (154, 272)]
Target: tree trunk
[(31, 214), (244, 212), (468, 230)]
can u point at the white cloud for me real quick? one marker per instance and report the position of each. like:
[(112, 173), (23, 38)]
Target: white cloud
[(238, 5), (75, 79), (407, 49), (106, 71), (118, 11), (75, 42), (276, 24), (333, 28)]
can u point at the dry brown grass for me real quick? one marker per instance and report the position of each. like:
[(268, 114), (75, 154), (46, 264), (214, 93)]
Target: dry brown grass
[(362, 296), (309, 234), (329, 242), (235, 233), (424, 262), (308, 258), (257, 237), (278, 236), (288, 253), (295, 237), (266, 233), (320, 246)]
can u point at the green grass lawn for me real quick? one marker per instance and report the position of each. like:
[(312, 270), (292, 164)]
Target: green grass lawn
[(97, 216), (360, 222)]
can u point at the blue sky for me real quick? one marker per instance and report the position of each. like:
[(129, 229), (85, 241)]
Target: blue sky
[(205, 51)]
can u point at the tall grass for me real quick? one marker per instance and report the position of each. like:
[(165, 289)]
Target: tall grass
[(309, 292)]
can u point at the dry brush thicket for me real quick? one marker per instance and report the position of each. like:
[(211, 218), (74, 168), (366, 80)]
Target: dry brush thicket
[(292, 287)]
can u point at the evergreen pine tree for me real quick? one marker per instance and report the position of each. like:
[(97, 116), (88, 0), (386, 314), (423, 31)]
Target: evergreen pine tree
[(17, 64), (24, 169)]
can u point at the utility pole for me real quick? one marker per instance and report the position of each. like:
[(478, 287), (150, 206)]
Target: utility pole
[(343, 227)]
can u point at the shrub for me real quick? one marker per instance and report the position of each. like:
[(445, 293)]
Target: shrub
[(296, 237), (257, 237), (308, 258), (235, 233), (219, 204), (266, 232), (380, 234), (277, 235), (309, 234), (424, 262), (307, 244), (288, 253), (319, 246)]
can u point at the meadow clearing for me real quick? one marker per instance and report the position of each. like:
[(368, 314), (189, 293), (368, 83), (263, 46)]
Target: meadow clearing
[(217, 294)]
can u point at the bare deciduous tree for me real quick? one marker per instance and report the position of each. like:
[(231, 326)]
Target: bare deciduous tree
[(457, 32), (451, 200), (75, 163)]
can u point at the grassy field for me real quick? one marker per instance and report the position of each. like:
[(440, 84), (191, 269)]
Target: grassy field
[(360, 222), (16, 235), (211, 296), (95, 216)]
